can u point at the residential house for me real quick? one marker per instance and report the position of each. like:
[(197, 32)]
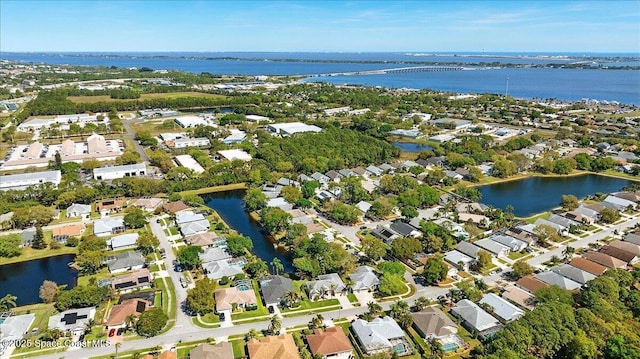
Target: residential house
[(563, 221), (522, 235), (271, 347), (477, 219), (79, 210), (385, 167), (73, 320), (605, 260), (109, 206), (148, 204), (374, 171), (125, 261), (331, 343), (468, 249), (561, 229), (459, 260), (633, 238), (108, 226), (114, 172), (618, 203), (222, 350), (553, 278), (515, 245), (326, 285), (334, 176), (475, 319), (588, 266), (281, 203), (317, 176), (404, 229), (531, 284), (224, 268), (176, 207), (574, 273), (519, 296), (493, 247), (384, 233), (191, 223), (274, 289), (62, 233), (347, 173), (501, 307), (623, 255), (626, 246), (120, 312), (364, 280), (122, 241), (433, 323), (14, 327), (228, 299), (381, 335), (140, 279), (363, 206), (204, 239)]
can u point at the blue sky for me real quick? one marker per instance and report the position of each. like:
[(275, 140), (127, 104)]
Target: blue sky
[(350, 26)]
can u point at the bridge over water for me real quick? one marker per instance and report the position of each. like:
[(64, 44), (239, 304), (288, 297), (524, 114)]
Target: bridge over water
[(395, 70)]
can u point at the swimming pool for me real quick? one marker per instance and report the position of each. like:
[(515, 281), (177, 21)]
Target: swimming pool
[(449, 347)]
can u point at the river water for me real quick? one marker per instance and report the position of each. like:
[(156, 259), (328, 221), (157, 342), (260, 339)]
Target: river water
[(230, 207), (535, 195), (24, 279)]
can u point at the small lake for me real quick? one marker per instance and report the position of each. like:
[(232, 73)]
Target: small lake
[(230, 207), (24, 279), (534, 195), (411, 146)]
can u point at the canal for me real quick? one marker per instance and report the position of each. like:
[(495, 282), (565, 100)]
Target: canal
[(230, 207), (533, 195), (411, 146), (24, 279)]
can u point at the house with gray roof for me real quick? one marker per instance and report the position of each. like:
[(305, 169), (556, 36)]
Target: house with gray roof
[(588, 212), (553, 278), (459, 260), (493, 247), (433, 323), (618, 203), (274, 289), (385, 167), (229, 267), (374, 170), (287, 182), (515, 245), (381, 335), (573, 273), (404, 229), (15, 327), (123, 241), (326, 285), (501, 307), (475, 319), (632, 238), (334, 175), (384, 233), (125, 261), (320, 178), (192, 228), (562, 230), (563, 221), (468, 249), (23, 181), (107, 226), (79, 210), (188, 216), (73, 320), (364, 279), (363, 206)]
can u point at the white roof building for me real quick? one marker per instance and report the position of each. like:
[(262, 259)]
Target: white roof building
[(114, 172), (502, 308), (256, 118), (231, 155), (191, 121), (107, 226), (123, 241), (24, 180), (191, 142), (378, 335), (290, 128), (190, 163)]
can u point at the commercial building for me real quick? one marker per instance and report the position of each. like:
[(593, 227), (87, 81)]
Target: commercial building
[(191, 142), (39, 155), (24, 180), (63, 121), (231, 155), (190, 163), (290, 128), (191, 121), (114, 172)]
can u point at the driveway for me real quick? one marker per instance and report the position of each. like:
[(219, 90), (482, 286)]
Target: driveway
[(364, 298)]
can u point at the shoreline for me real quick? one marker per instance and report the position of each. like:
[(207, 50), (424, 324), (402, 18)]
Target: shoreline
[(533, 175)]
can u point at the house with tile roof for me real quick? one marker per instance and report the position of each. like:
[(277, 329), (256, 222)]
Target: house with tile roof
[(175, 207), (274, 289), (331, 343), (326, 285), (222, 350), (621, 254), (62, 233), (140, 279), (271, 347), (433, 323), (605, 260), (588, 266), (531, 284), (120, 312), (228, 299)]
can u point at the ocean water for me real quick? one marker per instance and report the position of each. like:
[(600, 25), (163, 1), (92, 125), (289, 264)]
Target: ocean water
[(543, 83)]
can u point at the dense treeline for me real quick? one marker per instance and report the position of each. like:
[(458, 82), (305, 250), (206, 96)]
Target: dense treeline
[(599, 322), (333, 148), (56, 103)]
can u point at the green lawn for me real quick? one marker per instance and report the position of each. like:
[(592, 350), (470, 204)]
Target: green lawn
[(238, 348), (517, 255), (307, 304)]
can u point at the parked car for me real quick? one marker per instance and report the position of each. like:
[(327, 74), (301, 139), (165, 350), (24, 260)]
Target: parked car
[(112, 332), (271, 309)]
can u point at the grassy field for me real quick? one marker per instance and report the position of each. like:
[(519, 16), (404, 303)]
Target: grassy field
[(31, 254), (145, 96)]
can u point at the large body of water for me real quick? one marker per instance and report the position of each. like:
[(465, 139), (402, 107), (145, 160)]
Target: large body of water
[(543, 83), (230, 207), (534, 195), (24, 279), (412, 146)]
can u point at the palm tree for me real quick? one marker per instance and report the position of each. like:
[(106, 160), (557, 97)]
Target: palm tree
[(118, 345), (374, 308), (130, 320), (568, 252), (291, 297), (421, 303), (7, 302), (253, 333), (332, 289), (275, 325), (89, 325), (277, 265), (317, 321)]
